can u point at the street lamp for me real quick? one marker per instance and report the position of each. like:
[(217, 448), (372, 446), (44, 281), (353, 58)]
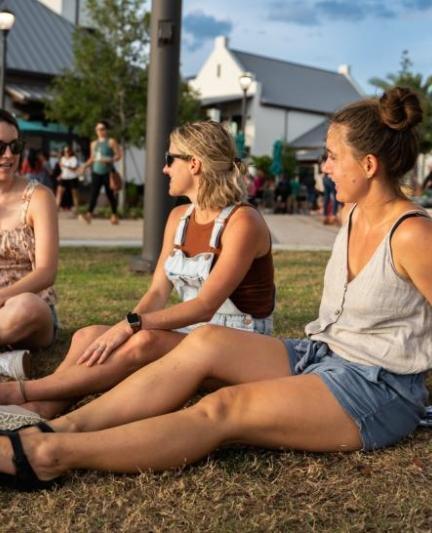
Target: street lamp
[(7, 19), (245, 81)]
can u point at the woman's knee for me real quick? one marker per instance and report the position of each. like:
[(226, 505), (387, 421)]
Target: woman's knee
[(25, 309), (221, 407), (141, 347), (86, 335)]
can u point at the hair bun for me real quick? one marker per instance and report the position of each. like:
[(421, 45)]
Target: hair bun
[(400, 108)]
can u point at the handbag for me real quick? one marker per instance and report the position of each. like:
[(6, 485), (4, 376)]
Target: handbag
[(115, 181)]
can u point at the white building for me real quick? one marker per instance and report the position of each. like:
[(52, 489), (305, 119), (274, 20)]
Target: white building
[(74, 11), (286, 101)]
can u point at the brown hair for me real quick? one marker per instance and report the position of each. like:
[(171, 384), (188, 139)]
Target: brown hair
[(385, 127), (222, 180)]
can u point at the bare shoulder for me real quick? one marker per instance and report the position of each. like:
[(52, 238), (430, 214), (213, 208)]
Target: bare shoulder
[(414, 235), (42, 197), (247, 225), (249, 216)]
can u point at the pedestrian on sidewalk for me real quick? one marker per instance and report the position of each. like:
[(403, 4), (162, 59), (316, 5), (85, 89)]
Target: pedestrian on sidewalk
[(68, 178), (330, 204), (104, 152)]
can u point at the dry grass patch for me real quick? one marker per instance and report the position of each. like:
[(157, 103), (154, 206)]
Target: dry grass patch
[(239, 489)]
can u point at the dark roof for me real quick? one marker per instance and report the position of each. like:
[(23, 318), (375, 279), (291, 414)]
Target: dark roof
[(314, 138), (40, 41), (295, 86)]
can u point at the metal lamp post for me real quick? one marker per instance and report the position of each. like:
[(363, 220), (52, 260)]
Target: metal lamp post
[(7, 19), (245, 81)]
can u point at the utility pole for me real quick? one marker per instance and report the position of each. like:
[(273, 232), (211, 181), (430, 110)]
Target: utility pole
[(165, 28)]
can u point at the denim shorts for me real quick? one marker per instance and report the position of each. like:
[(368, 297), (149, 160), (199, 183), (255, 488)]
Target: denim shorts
[(56, 322), (385, 406)]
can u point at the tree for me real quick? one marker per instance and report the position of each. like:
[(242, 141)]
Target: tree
[(109, 77), (108, 80), (423, 87)]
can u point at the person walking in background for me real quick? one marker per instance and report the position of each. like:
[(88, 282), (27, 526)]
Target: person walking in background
[(32, 165), (68, 179), (104, 152), (330, 205)]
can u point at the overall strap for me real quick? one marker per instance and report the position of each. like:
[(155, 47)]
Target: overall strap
[(182, 226), (27, 194), (219, 225)]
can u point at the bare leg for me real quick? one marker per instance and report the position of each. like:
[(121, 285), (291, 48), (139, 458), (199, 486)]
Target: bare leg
[(70, 380), (59, 195), (293, 412), (26, 319), (75, 199), (224, 354)]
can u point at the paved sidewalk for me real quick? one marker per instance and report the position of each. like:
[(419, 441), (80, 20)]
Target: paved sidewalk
[(289, 232)]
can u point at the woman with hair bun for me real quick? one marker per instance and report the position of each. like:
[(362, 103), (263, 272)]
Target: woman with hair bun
[(216, 254), (356, 381)]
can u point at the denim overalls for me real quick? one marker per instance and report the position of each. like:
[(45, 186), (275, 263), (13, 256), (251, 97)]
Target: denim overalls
[(188, 274)]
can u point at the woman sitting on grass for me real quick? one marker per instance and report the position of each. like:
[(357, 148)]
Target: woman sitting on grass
[(28, 257), (356, 382), (216, 253)]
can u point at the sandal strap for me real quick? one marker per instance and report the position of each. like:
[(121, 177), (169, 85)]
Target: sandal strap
[(24, 471), (44, 427)]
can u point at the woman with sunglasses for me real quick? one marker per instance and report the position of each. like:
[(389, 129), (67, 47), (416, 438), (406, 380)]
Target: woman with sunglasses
[(104, 152), (356, 383), (216, 254), (28, 257)]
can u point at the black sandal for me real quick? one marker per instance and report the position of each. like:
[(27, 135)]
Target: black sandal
[(25, 478)]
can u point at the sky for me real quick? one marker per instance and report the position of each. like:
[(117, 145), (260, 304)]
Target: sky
[(368, 35)]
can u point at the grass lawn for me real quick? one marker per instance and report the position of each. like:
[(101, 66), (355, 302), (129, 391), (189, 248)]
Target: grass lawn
[(234, 490)]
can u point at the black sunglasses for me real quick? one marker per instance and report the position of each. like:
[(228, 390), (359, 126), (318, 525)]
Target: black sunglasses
[(169, 158), (16, 146)]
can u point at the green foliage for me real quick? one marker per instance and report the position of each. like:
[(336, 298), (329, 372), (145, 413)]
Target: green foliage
[(110, 73), (109, 78), (289, 163), (423, 87), (189, 109), (262, 162)]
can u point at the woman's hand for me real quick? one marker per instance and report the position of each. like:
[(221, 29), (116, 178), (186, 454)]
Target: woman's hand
[(101, 348)]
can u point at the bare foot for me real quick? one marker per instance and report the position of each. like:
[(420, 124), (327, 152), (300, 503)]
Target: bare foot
[(6, 464), (37, 451)]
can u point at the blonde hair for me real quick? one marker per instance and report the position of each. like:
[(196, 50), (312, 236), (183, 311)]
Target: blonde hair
[(222, 181)]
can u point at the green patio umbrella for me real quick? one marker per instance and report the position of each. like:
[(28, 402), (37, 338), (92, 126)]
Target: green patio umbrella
[(276, 166)]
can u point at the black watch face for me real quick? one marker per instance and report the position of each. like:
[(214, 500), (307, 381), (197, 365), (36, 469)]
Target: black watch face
[(133, 320)]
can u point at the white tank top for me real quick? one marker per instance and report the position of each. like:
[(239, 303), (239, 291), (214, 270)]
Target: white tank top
[(378, 318)]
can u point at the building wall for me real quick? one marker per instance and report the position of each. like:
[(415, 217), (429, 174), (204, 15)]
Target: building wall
[(219, 76), (268, 124), (67, 9)]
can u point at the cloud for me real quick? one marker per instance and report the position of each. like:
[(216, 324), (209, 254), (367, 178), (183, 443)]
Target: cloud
[(316, 12), (419, 5), (201, 27), (297, 12), (345, 10)]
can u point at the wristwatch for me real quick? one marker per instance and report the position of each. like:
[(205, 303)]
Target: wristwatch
[(134, 321)]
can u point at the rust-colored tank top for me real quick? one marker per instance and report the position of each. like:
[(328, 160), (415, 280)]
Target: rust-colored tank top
[(256, 293)]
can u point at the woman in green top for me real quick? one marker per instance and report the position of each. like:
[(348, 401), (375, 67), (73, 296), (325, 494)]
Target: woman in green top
[(104, 151)]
